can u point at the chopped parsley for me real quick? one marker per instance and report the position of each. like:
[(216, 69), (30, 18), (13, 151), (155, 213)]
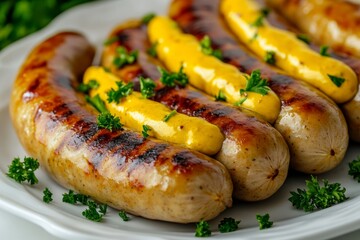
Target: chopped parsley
[(92, 213), (147, 87), (254, 84), (111, 40), (24, 171), (354, 168), (207, 49), (123, 216), (122, 91), (97, 103), (202, 229), (147, 18), (228, 225), (220, 96), (171, 79), (123, 57), (270, 57), (145, 130), (152, 50), (259, 22), (338, 81), (167, 117), (47, 197), (303, 37), (264, 221), (324, 51), (85, 88), (74, 198), (317, 197), (108, 121)]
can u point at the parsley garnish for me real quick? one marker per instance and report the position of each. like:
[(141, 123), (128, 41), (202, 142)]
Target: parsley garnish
[(147, 18), (145, 130), (324, 51), (122, 91), (167, 117), (152, 50), (354, 168), (123, 57), (270, 57), (24, 171), (147, 87), (85, 88), (228, 225), (338, 81), (92, 213), (207, 49), (171, 79), (317, 197), (259, 22), (264, 221), (123, 216), (254, 84), (47, 197), (303, 37), (111, 40), (97, 103), (108, 121), (202, 229), (220, 96), (74, 198)]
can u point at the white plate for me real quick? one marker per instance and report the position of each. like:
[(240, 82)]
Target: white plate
[(96, 20)]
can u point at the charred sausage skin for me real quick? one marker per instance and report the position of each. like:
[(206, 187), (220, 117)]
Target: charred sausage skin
[(315, 147), (255, 154), (145, 177)]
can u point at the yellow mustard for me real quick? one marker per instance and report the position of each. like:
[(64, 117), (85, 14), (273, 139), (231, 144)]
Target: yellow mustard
[(206, 72), (135, 111), (331, 76)]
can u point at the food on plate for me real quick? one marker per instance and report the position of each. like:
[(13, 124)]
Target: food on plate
[(142, 176), (312, 125), (248, 21), (331, 22), (135, 111), (208, 73), (351, 109), (254, 152)]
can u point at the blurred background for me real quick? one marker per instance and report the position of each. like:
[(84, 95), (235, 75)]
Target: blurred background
[(18, 18)]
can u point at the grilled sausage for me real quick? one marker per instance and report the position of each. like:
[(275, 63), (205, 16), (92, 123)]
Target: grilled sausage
[(254, 152), (351, 109), (331, 22), (145, 177), (311, 123)]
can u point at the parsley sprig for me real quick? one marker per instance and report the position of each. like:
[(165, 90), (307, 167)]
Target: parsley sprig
[(228, 225), (324, 51), (254, 84), (47, 197), (22, 171), (147, 87), (171, 79), (123, 216), (338, 81), (207, 49), (152, 50), (270, 57), (108, 121), (354, 169), (86, 87), (74, 198), (317, 197), (95, 212), (122, 91), (202, 229), (264, 221), (96, 102), (123, 57), (259, 22)]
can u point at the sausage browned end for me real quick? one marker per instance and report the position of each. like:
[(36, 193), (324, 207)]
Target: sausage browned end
[(311, 123), (255, 154), (144, 177)]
